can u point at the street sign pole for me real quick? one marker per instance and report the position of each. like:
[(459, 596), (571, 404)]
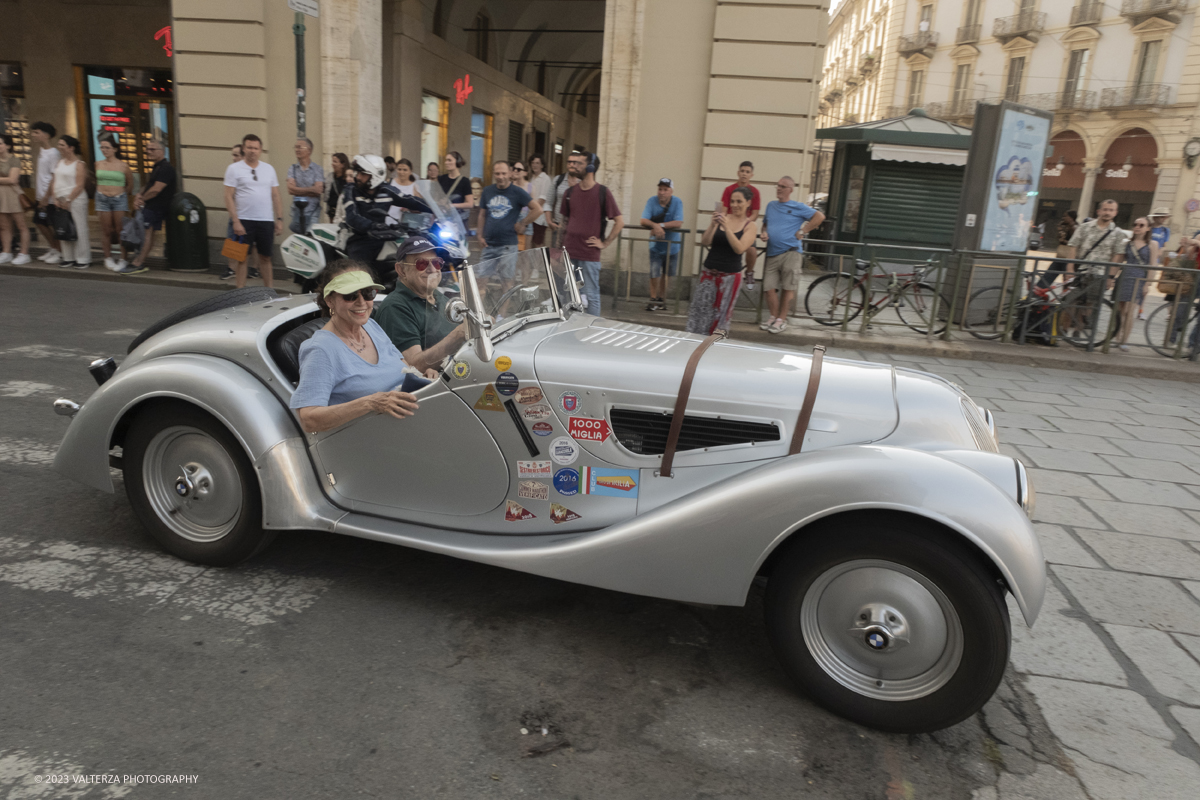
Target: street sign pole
[(298, 29)]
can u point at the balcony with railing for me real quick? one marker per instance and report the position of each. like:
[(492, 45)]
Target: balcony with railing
[(834, 93), (869, 62), (1138, 11), (1079, 100), (968, 34), (1088, 12), (920, 42), (1146, 95), (897, 111), (952, 109), (1028, 24)]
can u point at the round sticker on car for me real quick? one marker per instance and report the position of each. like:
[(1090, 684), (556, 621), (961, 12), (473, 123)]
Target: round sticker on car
[(507, 383), (460, 370), (564, 450), (570, 402), (566, 481), (543, 428), (503, 363)]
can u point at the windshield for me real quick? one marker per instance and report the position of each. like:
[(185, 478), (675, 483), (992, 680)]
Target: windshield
[(449, 219)]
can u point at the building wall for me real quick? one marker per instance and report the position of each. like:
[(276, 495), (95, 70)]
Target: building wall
[(1114, 42)]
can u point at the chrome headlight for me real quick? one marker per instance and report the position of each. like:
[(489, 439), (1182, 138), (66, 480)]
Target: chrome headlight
[(1026, 494)]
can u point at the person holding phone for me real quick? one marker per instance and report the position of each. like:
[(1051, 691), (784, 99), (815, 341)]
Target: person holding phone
[(727, 238)]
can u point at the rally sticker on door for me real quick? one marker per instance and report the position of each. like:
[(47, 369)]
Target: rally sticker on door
[(564, 451), (515, 512), (608, 482), (489, 401), (530, 395), (586, 429), (533, 490), (560, 514), (534, 469)]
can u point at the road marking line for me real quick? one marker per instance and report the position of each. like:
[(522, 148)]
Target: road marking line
[(46, 351), (26, 389), (251, 596), (25, 777)]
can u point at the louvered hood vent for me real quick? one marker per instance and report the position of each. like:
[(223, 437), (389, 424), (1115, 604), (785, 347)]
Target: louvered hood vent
[(645, 432)]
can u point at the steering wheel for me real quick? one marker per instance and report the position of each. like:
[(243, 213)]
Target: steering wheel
[(498, 308)]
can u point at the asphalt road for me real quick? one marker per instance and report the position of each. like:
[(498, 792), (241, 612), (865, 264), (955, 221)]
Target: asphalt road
[(336, 667)]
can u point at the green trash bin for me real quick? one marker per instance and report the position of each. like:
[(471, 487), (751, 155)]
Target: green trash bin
[(187, 234)]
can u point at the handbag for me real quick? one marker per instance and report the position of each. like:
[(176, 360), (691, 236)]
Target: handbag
[(42, 216), (235, 249), (133, 232), (1175, 280), (64, 225)]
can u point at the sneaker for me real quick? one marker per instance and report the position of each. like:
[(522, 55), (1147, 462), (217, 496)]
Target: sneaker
[(660, 306), (63, 264), (54, 257), (78, 265), (1124, 347), (777, 326), (1141, 315), (110, 264), (47, 255), (227, 274), (254, 273), (652, 305), (766, 324), (133, 269), (6, 258), (23, 258), (121, 264)]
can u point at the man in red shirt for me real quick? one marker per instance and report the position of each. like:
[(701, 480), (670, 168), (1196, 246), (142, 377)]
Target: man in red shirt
[(587, 215), (745, 173)]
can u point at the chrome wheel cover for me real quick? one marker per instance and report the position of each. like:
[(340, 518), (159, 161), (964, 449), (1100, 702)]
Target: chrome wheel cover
[(192, 484), (882, 630)]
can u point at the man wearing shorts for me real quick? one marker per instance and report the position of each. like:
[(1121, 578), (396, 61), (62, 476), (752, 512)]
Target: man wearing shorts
[(662, 213), (786, 223), (154, 201), (502, 204), (253, 202)]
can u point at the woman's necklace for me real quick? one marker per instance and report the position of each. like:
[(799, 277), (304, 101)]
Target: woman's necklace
[(359, 346)]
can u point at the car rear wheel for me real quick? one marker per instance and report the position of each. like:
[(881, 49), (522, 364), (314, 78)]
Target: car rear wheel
[(889, 622), (192, 486)]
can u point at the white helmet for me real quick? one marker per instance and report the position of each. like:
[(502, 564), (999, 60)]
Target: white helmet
[(371, 165)]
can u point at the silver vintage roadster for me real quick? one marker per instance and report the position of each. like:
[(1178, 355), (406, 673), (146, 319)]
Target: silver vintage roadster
[(870, 501)]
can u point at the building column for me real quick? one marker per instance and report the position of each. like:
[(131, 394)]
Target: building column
[(351, 76), (1090, 170), (402, 127)]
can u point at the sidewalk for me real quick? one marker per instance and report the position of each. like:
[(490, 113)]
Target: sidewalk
[(1141, 362)]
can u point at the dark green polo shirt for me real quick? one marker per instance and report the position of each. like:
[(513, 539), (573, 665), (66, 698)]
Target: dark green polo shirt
[(408, 319)]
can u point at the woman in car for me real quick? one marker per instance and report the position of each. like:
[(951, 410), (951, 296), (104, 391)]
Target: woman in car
[(349, 368)]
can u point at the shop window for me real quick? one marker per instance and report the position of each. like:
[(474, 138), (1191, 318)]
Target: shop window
[(1016, 71), (435, 120), (916, 87), (130, 107), (481, 146), (12, 114), (516, 141)]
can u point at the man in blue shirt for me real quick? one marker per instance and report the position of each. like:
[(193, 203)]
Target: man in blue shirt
[(662, 213), (1160, 232), (786, 223), (502, 203)]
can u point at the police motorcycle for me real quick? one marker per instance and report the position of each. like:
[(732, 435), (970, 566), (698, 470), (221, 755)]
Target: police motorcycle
[(427, 212)]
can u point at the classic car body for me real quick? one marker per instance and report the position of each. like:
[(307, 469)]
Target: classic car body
[(540, 451)]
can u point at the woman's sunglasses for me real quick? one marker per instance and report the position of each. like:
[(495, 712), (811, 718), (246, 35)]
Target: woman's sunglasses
[(367, 294)]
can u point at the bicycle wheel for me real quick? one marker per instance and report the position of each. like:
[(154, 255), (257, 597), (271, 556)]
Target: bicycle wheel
[(984, 316), (1165, 324), (827, 299), (1074, 322), (915, 307)]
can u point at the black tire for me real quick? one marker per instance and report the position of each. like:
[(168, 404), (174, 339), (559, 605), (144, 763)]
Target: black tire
[(1159, 324), (228, 528), (234, 297), (1079, 338), (984, 316), (916, 307), (872, 554), (827, 297)]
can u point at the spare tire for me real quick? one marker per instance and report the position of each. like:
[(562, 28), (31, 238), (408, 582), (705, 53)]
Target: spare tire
[(236, 297)]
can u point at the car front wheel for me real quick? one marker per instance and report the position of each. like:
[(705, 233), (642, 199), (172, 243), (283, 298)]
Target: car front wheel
[(192, 486), (889, 621)]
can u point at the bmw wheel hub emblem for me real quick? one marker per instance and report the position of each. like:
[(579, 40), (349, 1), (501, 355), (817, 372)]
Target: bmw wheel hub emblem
[(877, 641)]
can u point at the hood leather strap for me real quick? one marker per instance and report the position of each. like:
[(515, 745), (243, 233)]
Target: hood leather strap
[(810, 399), (681, 401)]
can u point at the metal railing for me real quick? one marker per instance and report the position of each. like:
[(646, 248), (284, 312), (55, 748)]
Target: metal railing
[(1027, 23), (968, 34), (1136, 96), (1139, 10), (916, 42), (1080, 100), (1088, 12)]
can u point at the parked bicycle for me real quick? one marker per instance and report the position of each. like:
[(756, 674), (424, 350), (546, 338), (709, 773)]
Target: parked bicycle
[(839, 297), (1043, 314)]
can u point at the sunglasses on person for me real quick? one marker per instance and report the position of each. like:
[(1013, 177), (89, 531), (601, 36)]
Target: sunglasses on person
[(428, 264), (367, 294), (518, 169), (253, 173)]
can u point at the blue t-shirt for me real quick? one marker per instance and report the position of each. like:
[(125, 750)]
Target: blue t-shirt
[(502, 209), (672, 213), (331, 373), (783, 220), (1160, 235)]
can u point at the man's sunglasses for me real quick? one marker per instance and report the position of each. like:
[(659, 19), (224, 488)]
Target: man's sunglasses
[(367, 294), (428, 264), (253, 173)]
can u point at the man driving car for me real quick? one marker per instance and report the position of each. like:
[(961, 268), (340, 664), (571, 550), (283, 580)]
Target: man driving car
[(413, 316)]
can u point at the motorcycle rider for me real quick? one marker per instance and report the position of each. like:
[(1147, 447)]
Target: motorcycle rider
[(366, 202)]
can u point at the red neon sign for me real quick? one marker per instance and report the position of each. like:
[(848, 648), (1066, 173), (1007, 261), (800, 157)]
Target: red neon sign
[(463, 89), (165, 34)]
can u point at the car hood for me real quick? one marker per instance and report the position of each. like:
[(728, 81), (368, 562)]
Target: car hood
[(612, 365)]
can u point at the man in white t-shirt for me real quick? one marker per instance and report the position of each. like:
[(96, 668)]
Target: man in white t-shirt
[(42, 134), (253, 202)]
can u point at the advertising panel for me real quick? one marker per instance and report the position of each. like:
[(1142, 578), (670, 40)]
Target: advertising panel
[(1015, 178)]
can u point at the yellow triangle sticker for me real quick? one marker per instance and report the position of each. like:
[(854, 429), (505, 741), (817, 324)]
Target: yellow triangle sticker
[(489, 400)]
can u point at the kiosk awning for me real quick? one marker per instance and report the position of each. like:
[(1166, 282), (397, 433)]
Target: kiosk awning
[(922, 155)]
